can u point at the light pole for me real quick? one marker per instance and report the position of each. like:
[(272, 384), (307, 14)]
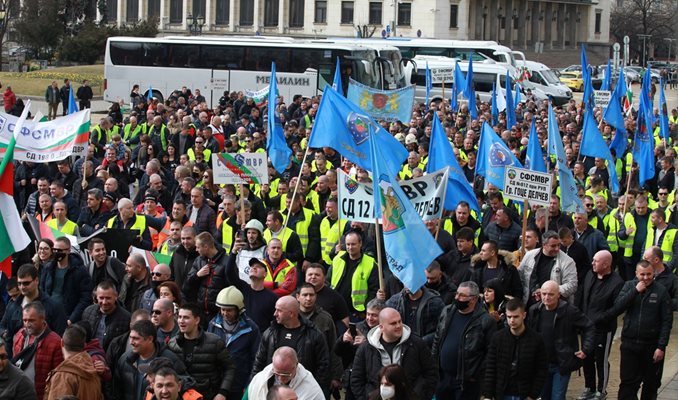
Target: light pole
[(196, 24), (670, 43), (484, 20), (644, 37), (500, 15)]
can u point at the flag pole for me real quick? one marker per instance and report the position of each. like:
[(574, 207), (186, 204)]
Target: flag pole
[(524, 233), (296, 188), (377, 234)]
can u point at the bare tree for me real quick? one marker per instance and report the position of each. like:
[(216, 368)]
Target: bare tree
[(648, 17)]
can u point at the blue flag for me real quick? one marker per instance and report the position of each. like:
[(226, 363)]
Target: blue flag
[(586, 77), (517, 96), (607, 79), (469, 91), (409, 246), (429, 85), (441, 155), (388, 105), (493, 157), (345, 127), (643, 141), (534, 159), (459, 80), (593, 144), (613, 116), (150, 94), (495, 109), (276, 147), (454, 102), (569, 201), (510, 105), (664, 131), (336, 82), (72, 105)]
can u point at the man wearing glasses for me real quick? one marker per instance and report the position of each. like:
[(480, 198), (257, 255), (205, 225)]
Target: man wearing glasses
[(161, 273), (27, 279), (663, 198), (285, 370)]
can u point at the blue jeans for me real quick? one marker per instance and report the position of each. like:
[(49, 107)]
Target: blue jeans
[(555, 387)]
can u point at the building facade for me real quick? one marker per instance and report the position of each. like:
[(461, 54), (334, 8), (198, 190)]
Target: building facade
[(516, 23)]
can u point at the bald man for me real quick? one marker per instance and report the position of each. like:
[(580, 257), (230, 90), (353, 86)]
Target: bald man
[(161, 273), (596, 299), (288, 329), (662, 275), (128, 219), (404, 348), (560, 323), (290, 379)]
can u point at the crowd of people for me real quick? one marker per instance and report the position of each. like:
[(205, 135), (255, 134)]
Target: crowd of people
[(268, 294)]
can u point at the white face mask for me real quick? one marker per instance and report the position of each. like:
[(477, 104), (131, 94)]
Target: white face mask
[(387, 392)]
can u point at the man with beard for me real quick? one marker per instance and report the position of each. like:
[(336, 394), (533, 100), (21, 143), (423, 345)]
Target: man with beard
[(88, 182), (103, 267), (184, 255), (161, 273)]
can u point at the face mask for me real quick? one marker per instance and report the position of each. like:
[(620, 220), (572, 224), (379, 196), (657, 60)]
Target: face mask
[(461, 304), (60, 256), (387, 392)]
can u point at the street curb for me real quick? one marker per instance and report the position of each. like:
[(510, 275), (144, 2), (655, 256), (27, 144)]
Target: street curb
[(23, 96)]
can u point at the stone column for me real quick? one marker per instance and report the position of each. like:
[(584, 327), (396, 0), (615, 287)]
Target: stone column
[(508, 35), (282, 13), (257, 13), (548, 26), (478, 21), (184, 18), (560, 25), (232, 19), (537, 23), (208, 16)]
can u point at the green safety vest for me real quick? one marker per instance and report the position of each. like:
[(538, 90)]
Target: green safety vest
[(665, 242), (139, 223), (614, 241), (329, 237), (284, 237), (226, 237), (68, 228), (358, 280), (301, 228)]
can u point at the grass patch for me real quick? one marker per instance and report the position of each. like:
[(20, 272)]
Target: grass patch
[(35, 83)]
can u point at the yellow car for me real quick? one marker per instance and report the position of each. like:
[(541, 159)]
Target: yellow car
[(573, 80)]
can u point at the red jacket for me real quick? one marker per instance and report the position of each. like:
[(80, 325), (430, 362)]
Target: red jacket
[(10, 100), (47, 357)]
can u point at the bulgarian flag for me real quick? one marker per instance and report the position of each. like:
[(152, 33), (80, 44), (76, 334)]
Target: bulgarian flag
[(13, 236), (152, 258), (628, 101), (42, 231)]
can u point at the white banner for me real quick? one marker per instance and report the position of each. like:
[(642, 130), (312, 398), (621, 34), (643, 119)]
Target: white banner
[(427, 194), (235, 168), (442, 75), (523, 184), (47, 141), (602, 97)]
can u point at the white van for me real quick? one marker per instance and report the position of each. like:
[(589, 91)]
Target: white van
[(542, 78)]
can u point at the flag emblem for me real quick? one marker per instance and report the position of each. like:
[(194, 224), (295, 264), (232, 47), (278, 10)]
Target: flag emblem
[(512, 173), (351, 185), (499, 156), (359, 126), (392, 210), (2, 122)]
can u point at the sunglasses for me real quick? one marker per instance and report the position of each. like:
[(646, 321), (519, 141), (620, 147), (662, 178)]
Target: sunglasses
[(156, 312), (156, 274), (24, 283)]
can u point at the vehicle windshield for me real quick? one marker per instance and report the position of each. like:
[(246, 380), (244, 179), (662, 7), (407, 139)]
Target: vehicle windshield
[(396, 60), (364, 72), (550, 76), (568, 75)]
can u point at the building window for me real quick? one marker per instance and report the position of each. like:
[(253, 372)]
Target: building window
[(246, 12), (154, 9), (176, 11), (320, 12), (111, 10), (454, 15), (347, 12), (599, 18), (405, 14), (271, 12), (375, 13), (223, 12), (132, 11), (199, 8), (296, 13)]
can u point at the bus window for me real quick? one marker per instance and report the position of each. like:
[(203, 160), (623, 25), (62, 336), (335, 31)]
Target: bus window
[(407, 52), (154, 55), (183, 56), (125, 53), (222, 57), (259, 58)]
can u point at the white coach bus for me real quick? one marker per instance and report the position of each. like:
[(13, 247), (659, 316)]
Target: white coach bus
[(217, 64)]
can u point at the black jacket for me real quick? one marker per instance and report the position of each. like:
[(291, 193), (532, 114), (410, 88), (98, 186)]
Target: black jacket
[(132, 300), (430, 305), (460, 270), (581, 258), (670, 282), (311, 350), (474, 343), (126, 375), (209, 363), (507, 274), (181, 263), (114, 271), (89, 221), (420, 368), (649, 316), (568, 324), (77, 288), (204, 290), (117, 323), (598, 305), (530, 369)]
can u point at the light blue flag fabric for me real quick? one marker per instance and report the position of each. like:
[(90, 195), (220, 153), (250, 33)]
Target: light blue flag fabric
[(454, 102), (429, 85), (346, 128), (336, 82), (409, 246), (459, 80), (150, 94), (607, 79), (469, 91), (613, 115), (569, 201), (495, 109), (389, 105), (586, 77), (593, 144), (534, 158), (278, 151), (664, 131), (72, 105), (516, 97), (510, 105), (645, 93), (643, 141), (441, 155), (493, 157)]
